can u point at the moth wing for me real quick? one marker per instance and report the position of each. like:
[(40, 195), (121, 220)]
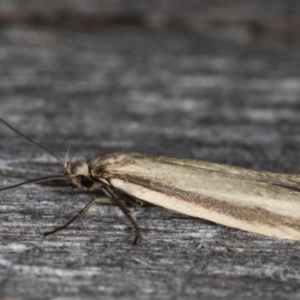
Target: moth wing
[(261, 202), (138, 163)]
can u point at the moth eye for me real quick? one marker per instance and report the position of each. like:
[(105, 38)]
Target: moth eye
[(85, 181)]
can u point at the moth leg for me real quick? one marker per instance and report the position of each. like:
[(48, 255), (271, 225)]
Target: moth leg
[(126, 212), (81, 213)]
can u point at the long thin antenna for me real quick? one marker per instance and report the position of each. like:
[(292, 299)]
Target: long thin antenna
[(32, 142), (46, 178)]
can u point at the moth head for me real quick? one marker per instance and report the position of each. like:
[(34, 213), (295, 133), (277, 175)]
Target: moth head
[(80, 176), (78, 171)]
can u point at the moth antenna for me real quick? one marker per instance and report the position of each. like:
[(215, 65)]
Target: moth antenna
[(37, 145), (69, 162), (67, 154), (47, 178)]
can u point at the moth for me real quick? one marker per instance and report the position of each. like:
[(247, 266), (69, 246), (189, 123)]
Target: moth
[(262, 202)]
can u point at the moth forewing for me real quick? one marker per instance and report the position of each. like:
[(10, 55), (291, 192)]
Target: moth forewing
[(261, 202)]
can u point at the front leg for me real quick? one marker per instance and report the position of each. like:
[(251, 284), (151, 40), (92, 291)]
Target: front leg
[(80, 214)]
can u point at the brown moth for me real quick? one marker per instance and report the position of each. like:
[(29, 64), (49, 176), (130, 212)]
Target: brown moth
[(256, 201)]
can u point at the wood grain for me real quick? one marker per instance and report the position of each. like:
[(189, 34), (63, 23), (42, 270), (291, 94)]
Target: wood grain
[(208, 96)]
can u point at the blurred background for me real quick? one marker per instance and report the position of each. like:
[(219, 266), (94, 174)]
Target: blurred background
[(212, 80), (207, 79)]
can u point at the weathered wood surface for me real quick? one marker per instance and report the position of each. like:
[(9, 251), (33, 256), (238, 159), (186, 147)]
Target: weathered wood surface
[(208, 96)]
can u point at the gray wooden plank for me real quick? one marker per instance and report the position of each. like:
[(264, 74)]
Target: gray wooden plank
[(208, 97)]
